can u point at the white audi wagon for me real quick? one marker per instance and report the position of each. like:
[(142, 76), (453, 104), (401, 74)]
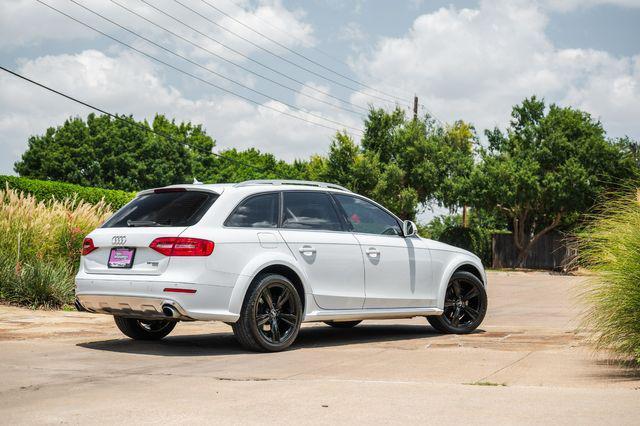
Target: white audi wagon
[(265, 256)]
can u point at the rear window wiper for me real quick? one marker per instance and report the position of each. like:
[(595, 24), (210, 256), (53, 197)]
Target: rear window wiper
[(134, 223)]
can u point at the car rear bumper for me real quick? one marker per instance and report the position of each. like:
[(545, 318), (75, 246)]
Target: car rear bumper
[(131, 306), (146, 299)]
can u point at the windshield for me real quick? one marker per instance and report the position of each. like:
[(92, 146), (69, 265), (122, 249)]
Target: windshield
[(184, 208)]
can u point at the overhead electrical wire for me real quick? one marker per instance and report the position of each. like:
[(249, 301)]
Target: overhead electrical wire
[(212, 71), (282, 58), (222, 58), (201, 79), (120, 118), (316, 48), (237, 52), (298, 54)]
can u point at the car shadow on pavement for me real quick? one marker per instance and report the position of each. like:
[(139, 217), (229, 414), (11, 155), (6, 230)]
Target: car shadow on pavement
[(226, 344)]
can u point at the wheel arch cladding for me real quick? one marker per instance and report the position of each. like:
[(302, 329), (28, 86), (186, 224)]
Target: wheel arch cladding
[(460, 265), (467, 267), (288, 273)]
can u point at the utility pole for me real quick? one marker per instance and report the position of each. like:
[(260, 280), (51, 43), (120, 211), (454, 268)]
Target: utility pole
[(415, 107)]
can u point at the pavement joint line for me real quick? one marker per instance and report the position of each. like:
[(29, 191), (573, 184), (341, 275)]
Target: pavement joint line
[(336, 364), (505, 367)]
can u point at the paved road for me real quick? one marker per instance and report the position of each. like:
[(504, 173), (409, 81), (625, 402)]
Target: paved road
[(526, 365)]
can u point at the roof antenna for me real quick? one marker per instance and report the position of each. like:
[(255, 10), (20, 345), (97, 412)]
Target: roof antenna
[(196, 181)]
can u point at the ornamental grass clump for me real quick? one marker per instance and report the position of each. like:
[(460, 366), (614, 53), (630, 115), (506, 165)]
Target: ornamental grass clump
[(40, 245), (610, 247)]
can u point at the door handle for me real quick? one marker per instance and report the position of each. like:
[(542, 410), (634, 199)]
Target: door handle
[(372, 252), (307, 250)]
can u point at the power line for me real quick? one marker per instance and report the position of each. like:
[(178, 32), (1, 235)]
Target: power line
[(206, 68), (291, 50), (239, 65), (282, 58), (316, 48), (298, 53), (237, 52), (281, 31), (188, 73), (117, 117)]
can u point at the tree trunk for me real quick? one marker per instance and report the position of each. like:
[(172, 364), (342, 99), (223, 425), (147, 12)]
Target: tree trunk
[(465, 219), (521, 236)]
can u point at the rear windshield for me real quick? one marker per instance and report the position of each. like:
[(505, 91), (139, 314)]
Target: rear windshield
[(184, 208)]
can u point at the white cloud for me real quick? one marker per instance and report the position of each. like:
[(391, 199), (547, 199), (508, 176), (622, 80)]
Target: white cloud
[(474, 64), (125, 83), (352, 32), (28, 23), (568, 5)]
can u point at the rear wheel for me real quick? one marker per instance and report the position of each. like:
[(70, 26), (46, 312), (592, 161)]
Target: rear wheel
[(342, 324), (465, 305), (144, 329), (271, 315)]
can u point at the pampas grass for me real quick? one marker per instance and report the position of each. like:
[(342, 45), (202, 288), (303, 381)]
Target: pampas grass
[(40, 246), (610, 247)]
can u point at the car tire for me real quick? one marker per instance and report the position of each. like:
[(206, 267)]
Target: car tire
[(342, 324), (465, 305), (143, 329), (272, 302)]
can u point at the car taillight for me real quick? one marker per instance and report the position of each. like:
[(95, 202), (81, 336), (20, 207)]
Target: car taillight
[(177, 246), (87, 246)]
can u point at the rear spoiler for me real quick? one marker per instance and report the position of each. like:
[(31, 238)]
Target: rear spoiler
[(180, 188)]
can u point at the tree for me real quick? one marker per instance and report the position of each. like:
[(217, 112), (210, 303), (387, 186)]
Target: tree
[(548, 168), (236, 166), (403, 163), (118, 154)]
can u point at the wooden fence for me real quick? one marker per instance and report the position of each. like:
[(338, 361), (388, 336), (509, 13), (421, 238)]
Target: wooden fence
[(551, 251)]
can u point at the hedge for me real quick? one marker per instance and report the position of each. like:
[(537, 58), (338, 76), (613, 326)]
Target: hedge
[(45, 190), (475, 240)]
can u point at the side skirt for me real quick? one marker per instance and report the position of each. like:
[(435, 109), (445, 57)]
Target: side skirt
[(363, 314)]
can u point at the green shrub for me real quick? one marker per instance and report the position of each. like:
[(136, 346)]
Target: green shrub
[(44, 190), (610, 247), (39, 283), (475, 240)]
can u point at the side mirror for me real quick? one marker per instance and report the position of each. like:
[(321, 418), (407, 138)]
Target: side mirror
[(409, 229)]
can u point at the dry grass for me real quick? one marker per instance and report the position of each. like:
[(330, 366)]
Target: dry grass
[(40, 246)]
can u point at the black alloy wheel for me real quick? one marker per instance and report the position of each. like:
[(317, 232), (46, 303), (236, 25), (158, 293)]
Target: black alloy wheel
[(271, 314), (276, 314), (139, 329), (465, 305)]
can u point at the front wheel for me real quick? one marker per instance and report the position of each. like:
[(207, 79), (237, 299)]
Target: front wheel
[(465, 305), (271, 315), (139, 329)]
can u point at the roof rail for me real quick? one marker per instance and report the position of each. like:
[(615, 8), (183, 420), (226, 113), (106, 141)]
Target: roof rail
[(291, 182)]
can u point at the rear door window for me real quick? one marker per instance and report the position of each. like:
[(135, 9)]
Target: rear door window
[(259, 211), (310, 210), (175, 208)]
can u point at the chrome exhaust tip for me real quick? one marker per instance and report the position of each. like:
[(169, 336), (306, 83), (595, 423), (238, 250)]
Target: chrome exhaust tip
[(170, 311)]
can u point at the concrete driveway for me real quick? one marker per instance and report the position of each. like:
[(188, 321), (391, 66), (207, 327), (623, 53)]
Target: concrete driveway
[(525, 365)]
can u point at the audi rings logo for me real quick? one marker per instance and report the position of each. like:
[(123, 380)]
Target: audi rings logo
[(119, 240)]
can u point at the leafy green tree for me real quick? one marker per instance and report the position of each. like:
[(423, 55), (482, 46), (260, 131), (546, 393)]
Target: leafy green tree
[(546, 169), (116, 154), (236, 166), (403, 163)]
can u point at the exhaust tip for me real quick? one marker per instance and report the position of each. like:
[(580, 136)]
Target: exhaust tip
[(170, 311)]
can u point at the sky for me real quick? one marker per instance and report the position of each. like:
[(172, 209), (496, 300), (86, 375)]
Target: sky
[(469, 60)]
